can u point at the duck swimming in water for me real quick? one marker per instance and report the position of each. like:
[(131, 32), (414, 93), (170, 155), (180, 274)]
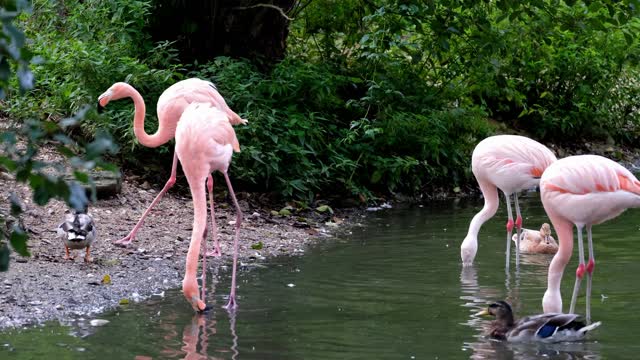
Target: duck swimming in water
[(537, 242), (551, 327), (78, 232)]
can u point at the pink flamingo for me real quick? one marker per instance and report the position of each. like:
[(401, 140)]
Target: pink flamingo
[(171, 105), (205, 142), (582, 190), (510, 163)]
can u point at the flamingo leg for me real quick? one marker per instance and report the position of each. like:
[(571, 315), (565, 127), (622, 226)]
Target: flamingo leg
[(509, 229), (172, 180), (590, 266), (579, 271), (518, 228), (214, 228), (231, 305), (204, 265)]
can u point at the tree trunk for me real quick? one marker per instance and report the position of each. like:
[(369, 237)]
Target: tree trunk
[(204, 29)]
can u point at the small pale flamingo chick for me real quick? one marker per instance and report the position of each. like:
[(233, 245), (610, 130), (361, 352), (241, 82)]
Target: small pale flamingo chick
[(78, 232), (537, 242), (205, 142)]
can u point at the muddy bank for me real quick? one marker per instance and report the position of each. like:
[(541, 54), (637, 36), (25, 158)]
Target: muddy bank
[(47, 287)]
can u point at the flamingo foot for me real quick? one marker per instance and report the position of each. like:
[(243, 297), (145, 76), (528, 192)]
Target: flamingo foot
[(125, 240), (215, 252), (232, 305)]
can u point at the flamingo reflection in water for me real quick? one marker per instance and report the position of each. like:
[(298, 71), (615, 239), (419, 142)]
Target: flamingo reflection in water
[(196, 338)]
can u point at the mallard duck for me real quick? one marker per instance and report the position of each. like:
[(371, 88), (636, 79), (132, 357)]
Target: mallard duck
[(552, 327), (537, 242), (78, 232)]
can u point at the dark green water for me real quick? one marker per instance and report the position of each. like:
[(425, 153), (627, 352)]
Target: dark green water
[(394, 289)]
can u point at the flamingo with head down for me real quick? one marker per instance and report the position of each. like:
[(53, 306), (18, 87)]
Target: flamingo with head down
[(510, 163), (582, 190), (171, 105), (205, 142)]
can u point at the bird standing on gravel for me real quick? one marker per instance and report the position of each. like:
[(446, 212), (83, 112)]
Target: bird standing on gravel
[(78, 232)]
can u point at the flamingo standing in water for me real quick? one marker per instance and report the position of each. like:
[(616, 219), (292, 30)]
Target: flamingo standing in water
[(582, 190), (171, 105), (510, 163), (205, 142)]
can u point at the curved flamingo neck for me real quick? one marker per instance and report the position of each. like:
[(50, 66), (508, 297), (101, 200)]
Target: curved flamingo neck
[(160, 137), (198, 192), (564, 232)]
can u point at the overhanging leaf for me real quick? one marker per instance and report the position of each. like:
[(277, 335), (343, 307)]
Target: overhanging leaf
[(19, 241)]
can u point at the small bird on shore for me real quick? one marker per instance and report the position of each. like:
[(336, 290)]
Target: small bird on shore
[(537, 242), (78, 232), (552, 327)]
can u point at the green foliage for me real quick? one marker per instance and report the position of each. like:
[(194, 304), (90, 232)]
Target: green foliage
[(20, 147), (558, 70), (373, 97), (86, 46), (12, 49), (305, 137)]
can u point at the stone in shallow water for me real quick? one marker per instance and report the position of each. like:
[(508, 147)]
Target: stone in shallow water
[(98, 322)]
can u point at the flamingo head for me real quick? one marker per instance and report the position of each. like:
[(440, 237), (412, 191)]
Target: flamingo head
[(468, 250), (190, 291), (115, 92)]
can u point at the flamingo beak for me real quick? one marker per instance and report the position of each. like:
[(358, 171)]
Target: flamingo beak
[(195, 304), (103, 100)]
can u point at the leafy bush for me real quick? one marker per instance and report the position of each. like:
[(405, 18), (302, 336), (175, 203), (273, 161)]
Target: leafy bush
[(373, 97), (84, 47), (20, 146), (304, 138)]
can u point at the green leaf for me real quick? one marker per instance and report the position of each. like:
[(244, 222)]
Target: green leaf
[(18, 241), (4, 257), (376, 176), (80, 176), (77, 197), (257, 246), (16, 205), (324, 209)]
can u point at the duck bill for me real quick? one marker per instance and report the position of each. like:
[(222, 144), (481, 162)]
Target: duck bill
[(484, 312)]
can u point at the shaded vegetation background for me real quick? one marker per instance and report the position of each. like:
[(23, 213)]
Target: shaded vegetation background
[(370, 98)]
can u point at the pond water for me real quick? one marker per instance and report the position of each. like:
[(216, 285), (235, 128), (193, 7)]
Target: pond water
[(394, 289)]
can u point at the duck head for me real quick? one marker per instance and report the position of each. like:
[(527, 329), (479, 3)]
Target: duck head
[(501, 310)]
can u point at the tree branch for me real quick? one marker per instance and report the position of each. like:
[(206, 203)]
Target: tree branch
[(279, 9)]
